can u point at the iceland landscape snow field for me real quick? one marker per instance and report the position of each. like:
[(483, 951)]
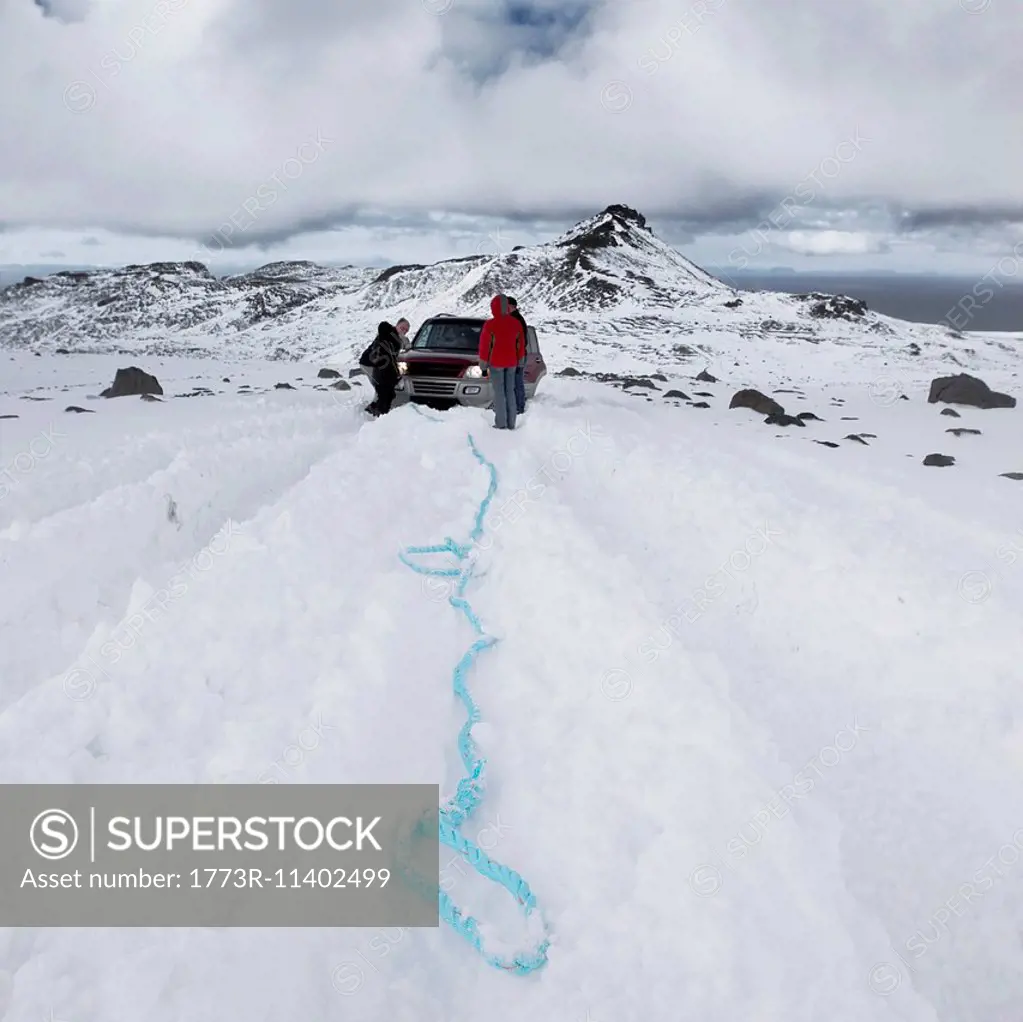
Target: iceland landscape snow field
[(753, 721), (705, 675)]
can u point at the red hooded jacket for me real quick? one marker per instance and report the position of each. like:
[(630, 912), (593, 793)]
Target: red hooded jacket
[(502, 342)]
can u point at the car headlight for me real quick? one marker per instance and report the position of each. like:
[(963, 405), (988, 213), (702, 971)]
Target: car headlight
[(473, 373), (403, 367)]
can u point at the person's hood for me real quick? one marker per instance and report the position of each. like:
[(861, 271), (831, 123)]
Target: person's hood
[(499, 306), (385, 328)]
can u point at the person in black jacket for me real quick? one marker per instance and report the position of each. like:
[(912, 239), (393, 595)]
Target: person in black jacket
[(380, 360), (520, 371)]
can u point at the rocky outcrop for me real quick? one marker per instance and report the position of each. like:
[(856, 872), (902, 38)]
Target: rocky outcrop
[(132, 382), (756, 401), (835, 306), (964, 389)]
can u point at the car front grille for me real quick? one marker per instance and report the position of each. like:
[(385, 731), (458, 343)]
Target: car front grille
[(447, 369), (432, 387)]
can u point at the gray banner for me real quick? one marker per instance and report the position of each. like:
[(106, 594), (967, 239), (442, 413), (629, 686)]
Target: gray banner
[(219, 855)]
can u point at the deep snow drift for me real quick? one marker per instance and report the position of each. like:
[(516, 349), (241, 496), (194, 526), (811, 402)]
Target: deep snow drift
[(752, 721)]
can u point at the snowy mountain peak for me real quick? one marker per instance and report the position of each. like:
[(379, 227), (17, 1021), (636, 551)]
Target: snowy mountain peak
[(626, 214), (616, 225), (617, 243), (611, 226)]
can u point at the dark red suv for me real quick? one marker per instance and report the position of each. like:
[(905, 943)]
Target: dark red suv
[(441, 367)]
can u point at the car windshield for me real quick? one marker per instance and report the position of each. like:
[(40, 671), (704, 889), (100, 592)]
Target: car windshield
[(452, 335)]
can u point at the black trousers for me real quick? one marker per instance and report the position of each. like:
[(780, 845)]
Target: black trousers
[(384, 383)]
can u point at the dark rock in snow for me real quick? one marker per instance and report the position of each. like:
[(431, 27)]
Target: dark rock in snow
[(826, 443), (8, 416), (678, 394), (808, 415), (393, 271), (226, 379), (659, 376), (76, 408), (628, 214), (756, 401), (784, 420), (835, 306), (964, 432), (285, 386), (939, 460), (698, 404), (341, 385), (705, 377), (967, 390), (354, 372), (150, 397), (734, 303), (952, 412), (568, 371), (857, 438), (132, 382), (1011, 475), (327, 374), (703, 393)]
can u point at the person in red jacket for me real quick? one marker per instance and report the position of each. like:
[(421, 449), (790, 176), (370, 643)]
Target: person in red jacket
[(502, 351)]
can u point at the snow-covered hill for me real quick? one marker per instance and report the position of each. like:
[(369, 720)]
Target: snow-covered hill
[(606, 289), (167, 308)]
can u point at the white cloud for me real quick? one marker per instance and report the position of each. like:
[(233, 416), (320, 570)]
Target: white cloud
[(828, 243), (163, 117)]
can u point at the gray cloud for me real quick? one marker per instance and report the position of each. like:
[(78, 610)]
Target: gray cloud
[(299, 29), (533, 113), (960, 216), (483, 41), (68, 11)]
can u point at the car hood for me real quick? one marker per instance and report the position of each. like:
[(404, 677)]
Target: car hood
[(467, 358)]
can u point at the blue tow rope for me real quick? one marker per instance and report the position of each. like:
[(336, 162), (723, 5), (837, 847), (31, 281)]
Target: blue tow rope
[(469, 793)]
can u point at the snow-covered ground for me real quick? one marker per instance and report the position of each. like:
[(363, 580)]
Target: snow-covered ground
[(754, 722)]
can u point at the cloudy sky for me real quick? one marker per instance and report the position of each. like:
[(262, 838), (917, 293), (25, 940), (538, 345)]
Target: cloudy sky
[(852, 134)]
